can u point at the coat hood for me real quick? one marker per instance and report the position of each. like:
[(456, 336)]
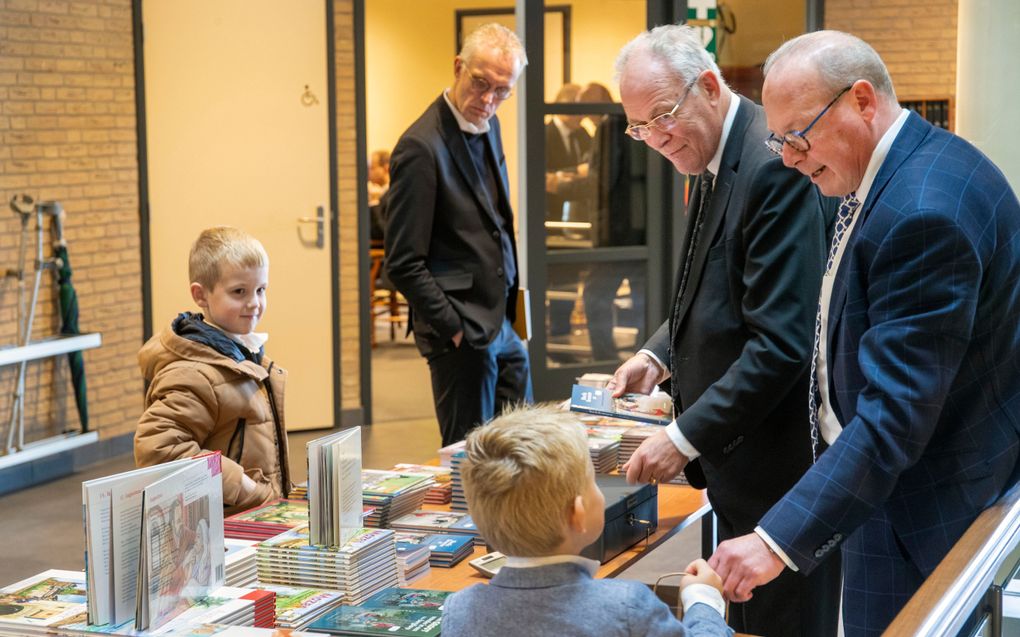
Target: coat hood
[(190, 338)]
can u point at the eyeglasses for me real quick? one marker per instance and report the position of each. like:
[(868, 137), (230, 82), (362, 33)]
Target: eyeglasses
[(796, 138), (482, 86), (664, 123)]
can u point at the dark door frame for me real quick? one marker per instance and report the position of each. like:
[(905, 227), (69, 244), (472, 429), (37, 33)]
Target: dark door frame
[(144, 216)]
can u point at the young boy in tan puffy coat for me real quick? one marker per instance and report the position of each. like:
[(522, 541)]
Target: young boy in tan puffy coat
[(211, 387)]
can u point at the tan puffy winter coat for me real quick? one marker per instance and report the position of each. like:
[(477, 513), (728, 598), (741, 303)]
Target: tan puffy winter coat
[(200, 400)]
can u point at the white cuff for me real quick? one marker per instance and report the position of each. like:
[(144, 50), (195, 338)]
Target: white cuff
[(680, 441), (702, 594), (663, 368), (775, 548)]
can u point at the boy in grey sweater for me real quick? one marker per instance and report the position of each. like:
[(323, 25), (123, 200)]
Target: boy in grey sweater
[(531, 491)]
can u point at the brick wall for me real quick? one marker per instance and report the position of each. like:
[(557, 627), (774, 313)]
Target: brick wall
[(67, 124), (67, 121), (916, 40)]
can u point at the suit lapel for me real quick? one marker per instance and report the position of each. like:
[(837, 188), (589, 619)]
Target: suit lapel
[(495, 147), (909, 138), (457, 145), (716, 212)]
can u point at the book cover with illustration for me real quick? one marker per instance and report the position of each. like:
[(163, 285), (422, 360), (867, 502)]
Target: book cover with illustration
[(655, 409)]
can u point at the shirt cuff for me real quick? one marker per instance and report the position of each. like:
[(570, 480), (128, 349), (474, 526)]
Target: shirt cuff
[(680, 441), (702, 594), (775, 548), (663, 368)]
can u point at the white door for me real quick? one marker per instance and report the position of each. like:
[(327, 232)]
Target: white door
[(237, 131)]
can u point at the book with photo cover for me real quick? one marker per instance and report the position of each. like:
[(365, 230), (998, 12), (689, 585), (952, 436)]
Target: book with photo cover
[(654, 409), (414, 598), (399, 622)]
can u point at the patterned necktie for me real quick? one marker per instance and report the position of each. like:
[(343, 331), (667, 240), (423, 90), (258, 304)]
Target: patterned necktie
[(844, 217), (705, 192)]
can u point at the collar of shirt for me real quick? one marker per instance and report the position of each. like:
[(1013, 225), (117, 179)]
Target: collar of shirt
[(878, 156), (731, 114), (253, 341), (532, 562), (465, 125)]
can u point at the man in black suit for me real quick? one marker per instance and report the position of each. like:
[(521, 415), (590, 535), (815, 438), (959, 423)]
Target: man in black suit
[(737, 346), (450, 247)]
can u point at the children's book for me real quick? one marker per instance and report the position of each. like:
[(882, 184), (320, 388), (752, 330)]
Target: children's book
[(112, 514), (399, 622), (50, 599), (655, 409), (413, 598), (334, 487), (181, 557)]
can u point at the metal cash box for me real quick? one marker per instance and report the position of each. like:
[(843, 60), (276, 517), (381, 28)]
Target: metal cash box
[(632, 513)]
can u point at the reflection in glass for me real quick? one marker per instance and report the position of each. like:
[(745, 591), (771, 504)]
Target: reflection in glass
[(595, 311), (595, 198)]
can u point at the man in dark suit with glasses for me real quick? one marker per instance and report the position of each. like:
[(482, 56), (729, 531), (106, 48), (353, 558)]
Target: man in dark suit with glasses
[(736, 347), (450, 247)]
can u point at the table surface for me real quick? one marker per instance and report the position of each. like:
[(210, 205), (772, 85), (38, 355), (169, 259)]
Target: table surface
[(676, 503)]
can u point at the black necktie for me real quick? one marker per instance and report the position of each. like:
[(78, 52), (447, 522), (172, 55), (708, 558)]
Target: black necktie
[(704, 198)]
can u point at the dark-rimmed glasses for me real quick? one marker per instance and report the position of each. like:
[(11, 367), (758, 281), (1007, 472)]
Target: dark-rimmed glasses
[(482, 86), (664, 123), (796, 138)]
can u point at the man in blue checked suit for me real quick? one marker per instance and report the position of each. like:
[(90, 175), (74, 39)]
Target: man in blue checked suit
[(917, 373)]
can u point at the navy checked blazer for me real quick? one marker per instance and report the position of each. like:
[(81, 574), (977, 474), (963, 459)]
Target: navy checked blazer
[(924, 336)]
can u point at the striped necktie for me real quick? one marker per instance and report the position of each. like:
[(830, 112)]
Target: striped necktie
[(844, 217)]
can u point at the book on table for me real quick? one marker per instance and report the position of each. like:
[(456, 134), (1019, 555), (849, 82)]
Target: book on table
[(334, 488), (399, 622), (654, 409), (153, 539)]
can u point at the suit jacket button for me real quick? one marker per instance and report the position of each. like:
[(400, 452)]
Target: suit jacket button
[(830, 543), (499, 271), (495, 235), (819, 553), (837, 537)]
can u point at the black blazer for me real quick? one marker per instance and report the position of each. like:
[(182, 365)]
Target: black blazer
[(443, 248), (559, 157), (742, 339)]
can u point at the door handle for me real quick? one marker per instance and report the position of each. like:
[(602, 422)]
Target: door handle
[(320, 221)]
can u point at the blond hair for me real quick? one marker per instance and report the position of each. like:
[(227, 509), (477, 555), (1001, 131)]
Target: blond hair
[(495, 36), (219, 246), (521, 475)]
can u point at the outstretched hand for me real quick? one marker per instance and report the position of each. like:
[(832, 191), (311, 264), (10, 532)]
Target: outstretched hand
[(744, 563)]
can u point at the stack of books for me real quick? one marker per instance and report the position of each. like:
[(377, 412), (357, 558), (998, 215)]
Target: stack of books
[(264, 606), (444, 549), (438, 493), (239, 562), (453, 522), (632, 439), (605, 453), (393, 494), (300, 491), (390, 612), (363, 565), (222, 630), (412, 559), (266, 521), (446, 453), (298, 607), (458, 500), (55, 603)]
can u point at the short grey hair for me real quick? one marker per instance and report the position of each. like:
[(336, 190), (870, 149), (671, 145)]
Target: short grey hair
[(495, 36), (678, 46), (840, 59)]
